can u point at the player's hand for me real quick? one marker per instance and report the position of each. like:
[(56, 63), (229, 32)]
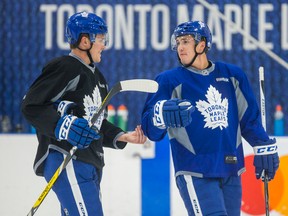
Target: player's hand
[(76, 131), (137, 136), (65, 107), (172, 113), (266, 159)]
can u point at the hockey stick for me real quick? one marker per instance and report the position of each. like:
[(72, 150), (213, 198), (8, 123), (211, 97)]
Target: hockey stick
[(263, 118), (140, 85)]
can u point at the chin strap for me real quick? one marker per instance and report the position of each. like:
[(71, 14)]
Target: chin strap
[(194, 58), (192, 61), (90, 57), (88, 54)]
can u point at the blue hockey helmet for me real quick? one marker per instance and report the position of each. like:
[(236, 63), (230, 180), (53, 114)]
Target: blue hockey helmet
[(197, 29), (85, 23)]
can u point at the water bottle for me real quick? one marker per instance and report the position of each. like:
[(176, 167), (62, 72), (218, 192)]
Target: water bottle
[(111, 114), (6, 124), (18, 128), (279, 121), (122, 117)]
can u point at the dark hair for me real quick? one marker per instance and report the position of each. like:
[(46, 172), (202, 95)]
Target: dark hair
[(75, 45)]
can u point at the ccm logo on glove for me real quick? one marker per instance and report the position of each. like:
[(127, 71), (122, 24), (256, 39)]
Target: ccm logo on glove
[(265, 150), (64, 129), (158, 118), (65, 107)]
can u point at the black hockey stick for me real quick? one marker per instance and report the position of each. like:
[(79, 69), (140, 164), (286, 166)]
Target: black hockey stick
[(140, 85), (263, 118)]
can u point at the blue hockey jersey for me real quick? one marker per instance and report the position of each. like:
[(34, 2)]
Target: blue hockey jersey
[(225, 111)]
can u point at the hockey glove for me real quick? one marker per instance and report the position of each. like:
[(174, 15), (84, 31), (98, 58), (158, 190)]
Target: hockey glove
[(172, 113), (76, 131), (266, 159), (65, 107)]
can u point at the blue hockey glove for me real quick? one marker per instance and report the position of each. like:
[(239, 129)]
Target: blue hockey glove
[(65, 107), (76, 131), (266, 159), (172, 113)]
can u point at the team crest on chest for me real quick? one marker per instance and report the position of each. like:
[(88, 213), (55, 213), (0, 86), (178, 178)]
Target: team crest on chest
[(91, 105), (214, 110)]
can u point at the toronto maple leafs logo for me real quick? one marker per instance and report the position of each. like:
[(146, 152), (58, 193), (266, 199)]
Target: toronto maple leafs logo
[(215, 110), (92, 105), (84, 14), (201, 24)]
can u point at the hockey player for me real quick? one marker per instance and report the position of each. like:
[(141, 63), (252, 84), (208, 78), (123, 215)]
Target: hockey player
[(59, 105), (207, 153)]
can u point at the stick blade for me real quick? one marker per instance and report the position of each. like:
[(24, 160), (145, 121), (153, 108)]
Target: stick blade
[(142, 85)]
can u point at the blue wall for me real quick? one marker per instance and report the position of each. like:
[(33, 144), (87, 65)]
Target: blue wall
[(140, 45)]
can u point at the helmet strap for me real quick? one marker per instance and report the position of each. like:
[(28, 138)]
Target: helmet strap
[(90, 57), (192, 61), (194, 58), (88, 54)]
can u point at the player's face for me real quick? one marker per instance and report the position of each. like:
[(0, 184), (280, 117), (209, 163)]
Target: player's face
[(98, 47), (185, 48)]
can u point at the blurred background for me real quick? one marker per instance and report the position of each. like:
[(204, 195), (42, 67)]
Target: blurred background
[(32, 33), (247, 33)]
